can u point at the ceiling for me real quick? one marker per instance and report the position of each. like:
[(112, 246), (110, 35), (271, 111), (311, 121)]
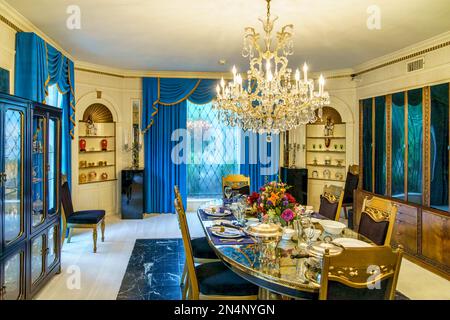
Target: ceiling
[(193, 35)]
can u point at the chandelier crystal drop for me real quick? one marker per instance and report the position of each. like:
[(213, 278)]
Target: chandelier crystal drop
[(272, 100)]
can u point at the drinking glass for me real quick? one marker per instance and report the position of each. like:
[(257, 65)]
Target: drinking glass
[(228, 192)]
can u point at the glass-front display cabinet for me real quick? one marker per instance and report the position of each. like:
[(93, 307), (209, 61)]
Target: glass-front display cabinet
[(404, 157), (405, 146), (30, 144)]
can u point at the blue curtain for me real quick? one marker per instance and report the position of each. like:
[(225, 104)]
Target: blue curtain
[(259, 158), (37, 66), (165, 111)]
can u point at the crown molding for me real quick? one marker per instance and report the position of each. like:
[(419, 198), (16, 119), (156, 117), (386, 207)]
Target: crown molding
[(403, 54), (16, 21), (130, 74)]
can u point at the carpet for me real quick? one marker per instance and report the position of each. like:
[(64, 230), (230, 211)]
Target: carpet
[(154, 271)]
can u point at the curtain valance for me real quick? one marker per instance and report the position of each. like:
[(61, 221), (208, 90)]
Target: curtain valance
[(39, 65), (172, 91)]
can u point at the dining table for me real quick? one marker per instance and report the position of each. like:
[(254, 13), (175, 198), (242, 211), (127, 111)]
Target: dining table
[(287, 276)]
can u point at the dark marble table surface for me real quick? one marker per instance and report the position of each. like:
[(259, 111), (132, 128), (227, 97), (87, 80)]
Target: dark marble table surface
[(284, 275)]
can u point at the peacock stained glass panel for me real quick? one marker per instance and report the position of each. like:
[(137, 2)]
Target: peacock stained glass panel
[(439, 142), (415, 134), (398, 146)]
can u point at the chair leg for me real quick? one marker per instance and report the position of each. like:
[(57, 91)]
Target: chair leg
[(183, 276), (95, 238), (69, 238), (103, 229), (185, 290)]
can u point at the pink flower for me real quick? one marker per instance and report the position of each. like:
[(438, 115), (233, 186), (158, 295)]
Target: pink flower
[(287, 215)]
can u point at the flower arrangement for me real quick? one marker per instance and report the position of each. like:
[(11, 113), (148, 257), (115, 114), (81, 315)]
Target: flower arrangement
[(274, 203)]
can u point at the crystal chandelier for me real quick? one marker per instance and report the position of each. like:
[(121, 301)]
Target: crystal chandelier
[(272, 101)]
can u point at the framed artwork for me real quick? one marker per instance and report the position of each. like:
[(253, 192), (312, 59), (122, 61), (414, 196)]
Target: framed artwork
[(4, 81)]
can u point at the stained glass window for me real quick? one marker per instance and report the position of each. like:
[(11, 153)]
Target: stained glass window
[(380, 145), (213, 151), (367, 144), (439, 137), (415, 134), (398, 145)]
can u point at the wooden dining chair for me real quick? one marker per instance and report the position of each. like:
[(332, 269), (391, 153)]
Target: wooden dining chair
[(237, 182), (201, 250), (361, 274), (211, 281), (331, 202), (377, 220), (88, 219), (351, 184)]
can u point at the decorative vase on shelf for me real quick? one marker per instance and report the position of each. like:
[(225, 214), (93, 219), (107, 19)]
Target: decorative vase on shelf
[(92, 176), (104, 176), (83, 178), (104, 145), (82, 145), (38, 205)]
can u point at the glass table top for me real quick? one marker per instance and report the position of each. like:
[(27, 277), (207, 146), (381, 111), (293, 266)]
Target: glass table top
[(286, 269)]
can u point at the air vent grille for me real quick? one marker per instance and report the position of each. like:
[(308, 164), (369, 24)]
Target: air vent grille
[(415, 65)]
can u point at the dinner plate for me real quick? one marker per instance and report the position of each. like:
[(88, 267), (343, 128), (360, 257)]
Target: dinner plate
[(352, 243), (315, 220), (217, 213), (226, 232), (218, 222)]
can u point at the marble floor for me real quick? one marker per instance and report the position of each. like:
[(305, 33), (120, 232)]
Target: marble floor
[(89, 276)]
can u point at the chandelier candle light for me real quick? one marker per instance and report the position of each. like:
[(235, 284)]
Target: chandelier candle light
[(272, 101)]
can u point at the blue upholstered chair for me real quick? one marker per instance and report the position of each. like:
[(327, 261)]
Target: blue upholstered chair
[(201, 251), (89, 219), (211, 281)]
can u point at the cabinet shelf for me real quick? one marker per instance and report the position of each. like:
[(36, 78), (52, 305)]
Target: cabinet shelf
[(323, 137), (98, 181), (326, 151), (326, 166), (95, 137), (97, 167), (97, 151), (323, 179)]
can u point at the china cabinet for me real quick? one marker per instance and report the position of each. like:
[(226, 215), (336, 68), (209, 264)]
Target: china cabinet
[(29, 195)]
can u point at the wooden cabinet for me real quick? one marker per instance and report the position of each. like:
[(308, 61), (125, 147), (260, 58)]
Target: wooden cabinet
[(405, 228), (30, 144), (423, 233), (436, 237)]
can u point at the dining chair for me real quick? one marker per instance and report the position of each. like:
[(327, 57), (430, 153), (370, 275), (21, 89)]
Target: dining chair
[(201, 250), (331, 202), (351, 184), (361, 274), (214, 280), (377, 220), (238, 183), (88, 219)]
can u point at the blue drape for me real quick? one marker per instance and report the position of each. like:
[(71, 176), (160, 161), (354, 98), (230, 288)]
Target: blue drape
[(37, 66), (165, 111), (259, 158)]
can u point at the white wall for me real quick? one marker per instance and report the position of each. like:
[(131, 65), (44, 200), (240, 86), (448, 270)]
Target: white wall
[(117, 95), (8, 51)]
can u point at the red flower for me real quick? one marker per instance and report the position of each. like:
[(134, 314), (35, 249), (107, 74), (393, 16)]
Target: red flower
[(290, 198), (253, 198)]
